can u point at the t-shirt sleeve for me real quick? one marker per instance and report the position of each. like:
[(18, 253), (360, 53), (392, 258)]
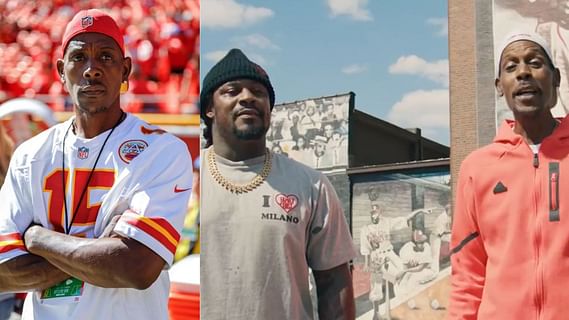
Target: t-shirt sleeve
[(156, 212), (15, 214), (330, 243)]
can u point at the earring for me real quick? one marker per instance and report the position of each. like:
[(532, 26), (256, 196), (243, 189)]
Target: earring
[(124, 86)]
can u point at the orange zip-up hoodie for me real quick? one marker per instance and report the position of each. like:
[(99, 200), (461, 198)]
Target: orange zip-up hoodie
[(510, 234)]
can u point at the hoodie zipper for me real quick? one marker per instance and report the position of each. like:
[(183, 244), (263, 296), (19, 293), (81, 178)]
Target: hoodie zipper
[(537, 239), (554, 191)]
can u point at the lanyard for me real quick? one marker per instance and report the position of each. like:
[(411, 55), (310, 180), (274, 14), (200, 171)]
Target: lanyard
[(69, 224)]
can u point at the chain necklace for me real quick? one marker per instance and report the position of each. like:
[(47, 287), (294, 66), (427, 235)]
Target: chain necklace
[(234, 187), (68, 224)]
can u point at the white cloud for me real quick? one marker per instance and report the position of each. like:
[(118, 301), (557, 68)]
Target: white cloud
[(259, 59), (436, 71), (441, 23), (427, 110), (230, 13), (356, 9), (256, 40), (215, 56), (354, 69)]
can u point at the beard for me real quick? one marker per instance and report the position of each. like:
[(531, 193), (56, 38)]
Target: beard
[(92, 110), (251, 133)]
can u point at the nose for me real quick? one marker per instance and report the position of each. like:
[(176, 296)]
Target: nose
[(524, 71), (246, 96), (92, 70)]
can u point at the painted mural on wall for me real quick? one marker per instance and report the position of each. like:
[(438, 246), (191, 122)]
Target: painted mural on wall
[(312, 131), (401, 225), (548, 18)]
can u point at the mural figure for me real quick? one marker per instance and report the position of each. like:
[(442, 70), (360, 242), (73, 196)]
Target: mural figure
[(313, 131), (401, 226)]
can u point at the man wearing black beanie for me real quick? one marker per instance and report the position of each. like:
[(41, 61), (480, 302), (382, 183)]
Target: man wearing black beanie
[(265, 219)]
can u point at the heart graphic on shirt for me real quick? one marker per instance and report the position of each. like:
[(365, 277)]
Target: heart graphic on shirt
[(287, 202)]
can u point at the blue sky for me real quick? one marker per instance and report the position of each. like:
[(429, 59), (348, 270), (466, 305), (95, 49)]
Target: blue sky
[(392, 54)]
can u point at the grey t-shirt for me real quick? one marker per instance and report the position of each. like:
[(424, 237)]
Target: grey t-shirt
[(256, 247)]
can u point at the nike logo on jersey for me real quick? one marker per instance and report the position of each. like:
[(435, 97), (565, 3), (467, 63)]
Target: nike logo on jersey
[(178, 190)]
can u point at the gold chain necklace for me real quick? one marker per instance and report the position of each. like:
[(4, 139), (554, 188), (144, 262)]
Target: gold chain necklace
[(234, 187)]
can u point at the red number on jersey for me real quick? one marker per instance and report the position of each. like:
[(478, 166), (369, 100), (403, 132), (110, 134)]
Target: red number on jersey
[(88, 210)]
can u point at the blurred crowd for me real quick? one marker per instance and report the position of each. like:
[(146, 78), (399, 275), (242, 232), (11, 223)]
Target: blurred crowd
[(161, 37)]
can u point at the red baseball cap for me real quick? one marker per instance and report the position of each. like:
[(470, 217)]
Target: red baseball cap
[(92, 20)]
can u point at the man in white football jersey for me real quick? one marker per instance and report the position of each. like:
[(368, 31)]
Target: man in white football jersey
[(265, 218), (91, 209)]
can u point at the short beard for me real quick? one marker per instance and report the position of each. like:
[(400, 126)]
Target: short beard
[(255, 133), (97, 110)]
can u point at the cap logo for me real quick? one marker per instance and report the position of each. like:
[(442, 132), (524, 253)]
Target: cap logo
[(86, 21)]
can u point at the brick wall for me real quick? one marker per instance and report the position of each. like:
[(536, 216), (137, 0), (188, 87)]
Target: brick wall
[(471, 72)]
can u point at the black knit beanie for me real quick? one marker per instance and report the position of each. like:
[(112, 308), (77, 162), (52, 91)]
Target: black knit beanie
[(235, 65)]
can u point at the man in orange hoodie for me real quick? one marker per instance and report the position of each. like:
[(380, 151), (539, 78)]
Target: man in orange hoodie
[(510, 236)]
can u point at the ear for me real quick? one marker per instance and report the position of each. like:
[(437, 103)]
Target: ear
[(556, 78), (127, 68), (209, 109), (499, 88), (60, 70), (209, 114)]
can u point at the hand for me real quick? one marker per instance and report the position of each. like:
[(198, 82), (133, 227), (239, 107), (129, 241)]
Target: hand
[(108, 232), (30, 235)]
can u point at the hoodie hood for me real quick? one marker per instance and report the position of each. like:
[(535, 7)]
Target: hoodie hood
[(507, 136)]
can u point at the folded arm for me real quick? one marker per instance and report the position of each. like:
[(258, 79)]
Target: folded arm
[(29, 272), (109, 262)]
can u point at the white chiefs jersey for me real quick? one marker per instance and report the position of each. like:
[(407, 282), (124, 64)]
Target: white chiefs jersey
[(143, 173)]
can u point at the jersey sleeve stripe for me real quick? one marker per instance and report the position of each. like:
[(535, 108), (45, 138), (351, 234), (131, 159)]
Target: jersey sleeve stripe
[(10, 236), (166, 226), (159, 224), (153, 229), (11, 241), (6, 246)]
